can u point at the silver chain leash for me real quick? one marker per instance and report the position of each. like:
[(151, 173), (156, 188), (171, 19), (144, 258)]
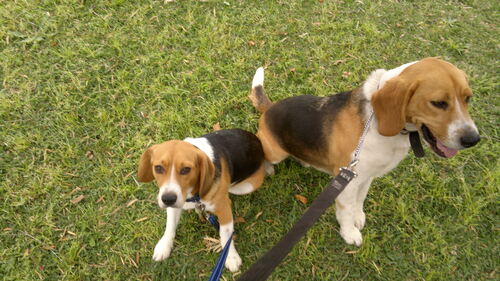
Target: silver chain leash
[(355, 159)]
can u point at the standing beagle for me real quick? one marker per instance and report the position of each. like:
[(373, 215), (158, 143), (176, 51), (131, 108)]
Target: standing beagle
[(429, 96), (209, 166)]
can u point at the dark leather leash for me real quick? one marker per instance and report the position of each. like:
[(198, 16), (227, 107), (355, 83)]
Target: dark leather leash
[(266, 264)]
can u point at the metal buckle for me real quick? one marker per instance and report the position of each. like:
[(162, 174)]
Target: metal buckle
[(347, 173), (200, 210)]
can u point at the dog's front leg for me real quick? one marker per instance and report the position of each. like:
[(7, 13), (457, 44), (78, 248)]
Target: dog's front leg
[(359, 214), (164, 246), (233, 260), (349, 211), (225, 216)]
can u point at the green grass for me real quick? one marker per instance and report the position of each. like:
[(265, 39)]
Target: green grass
[(86, 86)]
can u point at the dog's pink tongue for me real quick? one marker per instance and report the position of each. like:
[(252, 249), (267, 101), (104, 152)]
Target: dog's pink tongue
[(448, 152)]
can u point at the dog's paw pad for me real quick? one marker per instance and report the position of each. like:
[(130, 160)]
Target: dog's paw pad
[(233, 262), (162, 250), (352, 236)]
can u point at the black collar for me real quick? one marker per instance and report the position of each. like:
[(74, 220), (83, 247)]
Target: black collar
[(416, 144)]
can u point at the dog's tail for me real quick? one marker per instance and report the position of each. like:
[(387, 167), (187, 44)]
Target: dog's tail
[(258, 97)]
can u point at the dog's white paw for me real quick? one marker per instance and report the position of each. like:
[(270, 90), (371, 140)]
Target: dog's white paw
[(269, 168), (351, 235), (359, 219), (233, 262), (162, 249)]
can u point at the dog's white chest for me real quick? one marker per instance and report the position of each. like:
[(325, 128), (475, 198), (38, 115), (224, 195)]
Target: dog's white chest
[(380, 154)]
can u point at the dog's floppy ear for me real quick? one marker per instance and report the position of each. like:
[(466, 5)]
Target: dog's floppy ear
[(145, 173), (389, 105), (206, 174)]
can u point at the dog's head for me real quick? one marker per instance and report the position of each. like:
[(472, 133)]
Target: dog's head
[(179, 169), (433, 95)]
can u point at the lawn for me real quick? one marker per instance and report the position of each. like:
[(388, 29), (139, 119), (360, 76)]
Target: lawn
[(87, 86)]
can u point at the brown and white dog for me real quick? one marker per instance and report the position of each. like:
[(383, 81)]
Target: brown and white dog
[(209, 166), (429, 96)]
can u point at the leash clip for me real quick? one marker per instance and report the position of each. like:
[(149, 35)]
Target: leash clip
[(345, 175), (200, 210)]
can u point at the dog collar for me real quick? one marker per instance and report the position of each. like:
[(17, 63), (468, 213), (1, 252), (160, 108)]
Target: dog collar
[(416, 144), (194, 199)]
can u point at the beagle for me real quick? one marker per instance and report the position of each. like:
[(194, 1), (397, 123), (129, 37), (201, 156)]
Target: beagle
[(209, 166), (429, 96)]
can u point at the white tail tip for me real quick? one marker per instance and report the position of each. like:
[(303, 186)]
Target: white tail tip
[(258, 78)]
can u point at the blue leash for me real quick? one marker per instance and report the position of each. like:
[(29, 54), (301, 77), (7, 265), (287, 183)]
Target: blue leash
[(219, 265)]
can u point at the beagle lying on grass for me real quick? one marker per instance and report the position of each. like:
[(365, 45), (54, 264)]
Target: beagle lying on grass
[(429, 96), (209, 166)]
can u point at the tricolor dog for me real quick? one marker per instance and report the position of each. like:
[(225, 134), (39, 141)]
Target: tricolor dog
[(209, 166), (429, 96)]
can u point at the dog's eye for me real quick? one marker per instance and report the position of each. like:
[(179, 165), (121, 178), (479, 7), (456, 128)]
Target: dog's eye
[(159, 169), (185, 170), (467, 99), (440, 104)]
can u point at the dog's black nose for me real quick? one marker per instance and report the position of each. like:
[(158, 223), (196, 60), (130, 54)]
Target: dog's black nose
[(169, 199), (470, 140)]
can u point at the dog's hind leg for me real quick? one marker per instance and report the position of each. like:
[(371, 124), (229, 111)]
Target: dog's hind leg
[(272, 150), (251, 183)]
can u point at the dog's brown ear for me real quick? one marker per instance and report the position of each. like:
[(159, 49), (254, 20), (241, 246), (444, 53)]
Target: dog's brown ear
[(206, 174), (145, 173), (389, 105)]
